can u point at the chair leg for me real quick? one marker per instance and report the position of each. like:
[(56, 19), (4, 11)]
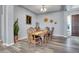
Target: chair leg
[(51, 37), (46, 40), (34, 44), (41, 42)]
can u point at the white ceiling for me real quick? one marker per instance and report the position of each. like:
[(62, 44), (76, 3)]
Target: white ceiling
[(36, 8)]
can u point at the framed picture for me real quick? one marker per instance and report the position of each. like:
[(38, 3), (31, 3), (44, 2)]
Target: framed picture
[(51, 21), (46, 20), (28, 19), (55, 22)]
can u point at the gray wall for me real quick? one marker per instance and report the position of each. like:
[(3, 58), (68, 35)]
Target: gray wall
[(21, 13), (0, 20), (56, 17)]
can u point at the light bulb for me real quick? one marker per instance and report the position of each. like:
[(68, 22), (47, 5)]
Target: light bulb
[(45, 9), (41, 9)]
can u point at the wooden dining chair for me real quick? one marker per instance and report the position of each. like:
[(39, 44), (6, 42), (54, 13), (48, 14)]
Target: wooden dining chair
[(51, 33), (29, 31), (33, 39), (47, 35)]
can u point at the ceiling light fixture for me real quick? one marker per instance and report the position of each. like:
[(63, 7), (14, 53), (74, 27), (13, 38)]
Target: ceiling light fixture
[(43, 8)]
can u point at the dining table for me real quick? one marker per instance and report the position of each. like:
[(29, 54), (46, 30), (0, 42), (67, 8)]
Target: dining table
[(40, 33)]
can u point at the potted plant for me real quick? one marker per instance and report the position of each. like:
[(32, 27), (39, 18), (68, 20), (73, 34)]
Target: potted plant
[(16, 30)]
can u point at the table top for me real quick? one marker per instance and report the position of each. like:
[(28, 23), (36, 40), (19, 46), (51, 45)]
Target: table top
[(40, 32)]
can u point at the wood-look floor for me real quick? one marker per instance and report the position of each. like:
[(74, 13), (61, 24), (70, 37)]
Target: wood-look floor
[(57, 45)]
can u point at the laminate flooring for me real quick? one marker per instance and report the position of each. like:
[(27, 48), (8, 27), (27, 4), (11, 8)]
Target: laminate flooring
[(56, 45)]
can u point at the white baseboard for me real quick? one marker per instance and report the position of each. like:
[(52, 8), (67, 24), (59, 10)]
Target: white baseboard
[(60, 35), (8, 44), (22, 38)]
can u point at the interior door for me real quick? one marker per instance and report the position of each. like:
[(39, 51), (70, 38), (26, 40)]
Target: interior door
[(75, 25)]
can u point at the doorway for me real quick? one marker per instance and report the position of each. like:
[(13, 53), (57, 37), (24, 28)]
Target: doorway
[(75, 25)]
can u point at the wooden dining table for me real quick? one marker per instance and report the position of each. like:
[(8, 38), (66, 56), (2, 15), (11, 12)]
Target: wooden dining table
[(39, 33)]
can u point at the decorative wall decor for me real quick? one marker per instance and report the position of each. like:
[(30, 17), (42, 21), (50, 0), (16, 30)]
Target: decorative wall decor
[(28, 19), (51, 21), (46, 19), (55, 22)]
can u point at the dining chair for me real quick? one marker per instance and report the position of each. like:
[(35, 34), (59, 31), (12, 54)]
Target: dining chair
[(51, 33), (32, 39), (47, 35), (29, 31)]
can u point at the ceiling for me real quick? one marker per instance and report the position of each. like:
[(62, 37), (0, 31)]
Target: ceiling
[(50, 8)]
